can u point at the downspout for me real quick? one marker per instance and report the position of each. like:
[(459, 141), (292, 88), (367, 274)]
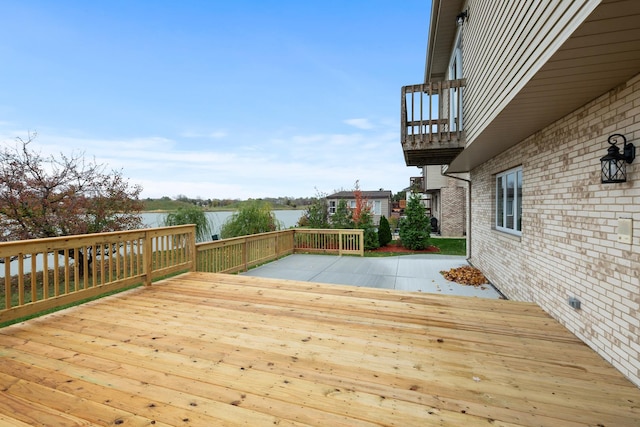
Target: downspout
[(443, 172)]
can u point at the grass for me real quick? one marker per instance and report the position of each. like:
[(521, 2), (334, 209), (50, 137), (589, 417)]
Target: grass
[(450, 246)]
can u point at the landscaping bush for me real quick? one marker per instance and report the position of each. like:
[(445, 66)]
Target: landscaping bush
[(384, 231), (252, 217), (191, 214), (370, 234), (342, 217), (415, 227), (316, 214)]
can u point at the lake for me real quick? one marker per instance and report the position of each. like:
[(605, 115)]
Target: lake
[(288, 218)]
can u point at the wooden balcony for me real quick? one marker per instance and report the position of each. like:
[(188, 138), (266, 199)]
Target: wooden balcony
[(432, 122)]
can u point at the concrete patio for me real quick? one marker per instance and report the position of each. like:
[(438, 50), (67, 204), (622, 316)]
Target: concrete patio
[(414, 273)]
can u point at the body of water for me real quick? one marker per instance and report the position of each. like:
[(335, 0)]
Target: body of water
[(288, 218)]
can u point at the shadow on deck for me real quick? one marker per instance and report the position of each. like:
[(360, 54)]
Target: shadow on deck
[(223, 350)]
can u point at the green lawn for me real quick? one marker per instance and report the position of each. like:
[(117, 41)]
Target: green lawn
[(450, 246)]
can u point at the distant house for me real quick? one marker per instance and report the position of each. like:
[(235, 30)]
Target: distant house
[(380, 202), (524, 96)]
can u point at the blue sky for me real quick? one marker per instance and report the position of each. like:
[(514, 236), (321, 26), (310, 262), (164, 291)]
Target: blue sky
[(216, 99)]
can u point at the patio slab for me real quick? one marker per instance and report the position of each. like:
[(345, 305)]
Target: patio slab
[(414, 273)]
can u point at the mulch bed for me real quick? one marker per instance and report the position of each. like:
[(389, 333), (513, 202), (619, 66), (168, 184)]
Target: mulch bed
[(395, 247)]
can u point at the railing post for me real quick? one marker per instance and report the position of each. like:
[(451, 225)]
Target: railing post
[(403, 115), (340, 239), (147, 259), (192, 252), (245, 254)]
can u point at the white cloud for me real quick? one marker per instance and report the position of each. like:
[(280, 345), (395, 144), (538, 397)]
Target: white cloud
[(218, 134), (364, 124), (283, 165)]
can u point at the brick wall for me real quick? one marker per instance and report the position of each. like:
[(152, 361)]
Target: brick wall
[(453, 210), (569, 246)]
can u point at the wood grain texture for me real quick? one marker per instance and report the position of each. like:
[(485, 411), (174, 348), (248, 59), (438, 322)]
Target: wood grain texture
[(223, 350)]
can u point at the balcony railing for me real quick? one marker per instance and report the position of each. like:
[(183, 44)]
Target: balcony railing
[(432, 122), (44, 274)]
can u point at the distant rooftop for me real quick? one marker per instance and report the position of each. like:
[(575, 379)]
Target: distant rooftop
[(379, 194)]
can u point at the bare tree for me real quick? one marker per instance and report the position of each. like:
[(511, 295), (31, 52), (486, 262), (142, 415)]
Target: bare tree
[(64, 195)]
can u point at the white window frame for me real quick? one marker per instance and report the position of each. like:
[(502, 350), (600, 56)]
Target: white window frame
[(455, 73), (377, 207), (508, 209)]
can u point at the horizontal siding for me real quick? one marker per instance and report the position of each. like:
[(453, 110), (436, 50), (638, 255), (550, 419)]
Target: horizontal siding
[(505, 44)]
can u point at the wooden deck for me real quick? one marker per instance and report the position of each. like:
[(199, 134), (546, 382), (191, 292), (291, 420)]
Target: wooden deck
[(205, 349)]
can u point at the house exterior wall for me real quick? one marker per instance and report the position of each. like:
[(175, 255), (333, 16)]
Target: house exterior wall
[(448, 201), (385, 206), (568, 247), (453, 223), (434, 180), (498, 63)]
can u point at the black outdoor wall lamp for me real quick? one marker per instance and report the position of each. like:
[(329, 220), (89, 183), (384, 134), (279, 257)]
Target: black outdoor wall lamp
[(614, 164), (461, 17)]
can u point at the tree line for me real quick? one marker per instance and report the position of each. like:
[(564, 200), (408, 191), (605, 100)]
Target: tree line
[(51, 196)]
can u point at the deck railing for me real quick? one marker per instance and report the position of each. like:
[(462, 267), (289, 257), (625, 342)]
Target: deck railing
[(327, 241), (241, 253), (43, 274)]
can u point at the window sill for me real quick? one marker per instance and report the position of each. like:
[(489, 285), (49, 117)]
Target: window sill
[(506, 234)]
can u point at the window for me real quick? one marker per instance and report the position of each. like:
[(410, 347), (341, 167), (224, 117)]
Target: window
[(455, 94), (376, 207), (509, 201), (332, 207)]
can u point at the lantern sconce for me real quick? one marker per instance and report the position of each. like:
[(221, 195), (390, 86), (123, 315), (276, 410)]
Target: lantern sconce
[(614, 164), (461, 17)]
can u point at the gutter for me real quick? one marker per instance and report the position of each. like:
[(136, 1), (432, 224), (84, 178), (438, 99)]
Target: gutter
[(443, 172), (433, 30)]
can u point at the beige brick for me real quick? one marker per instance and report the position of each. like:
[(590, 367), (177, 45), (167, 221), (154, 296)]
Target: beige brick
[(569, 240)]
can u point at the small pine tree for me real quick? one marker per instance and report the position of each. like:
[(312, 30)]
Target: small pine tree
[(317, 213), (371, 240), (415, 227), (384, 231)]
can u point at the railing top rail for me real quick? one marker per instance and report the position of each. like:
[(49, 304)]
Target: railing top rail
[(328, 230), (93, 237), (241, 239), (434, 87)]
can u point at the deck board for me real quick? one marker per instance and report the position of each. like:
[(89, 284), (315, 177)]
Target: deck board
[(225, 350)]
